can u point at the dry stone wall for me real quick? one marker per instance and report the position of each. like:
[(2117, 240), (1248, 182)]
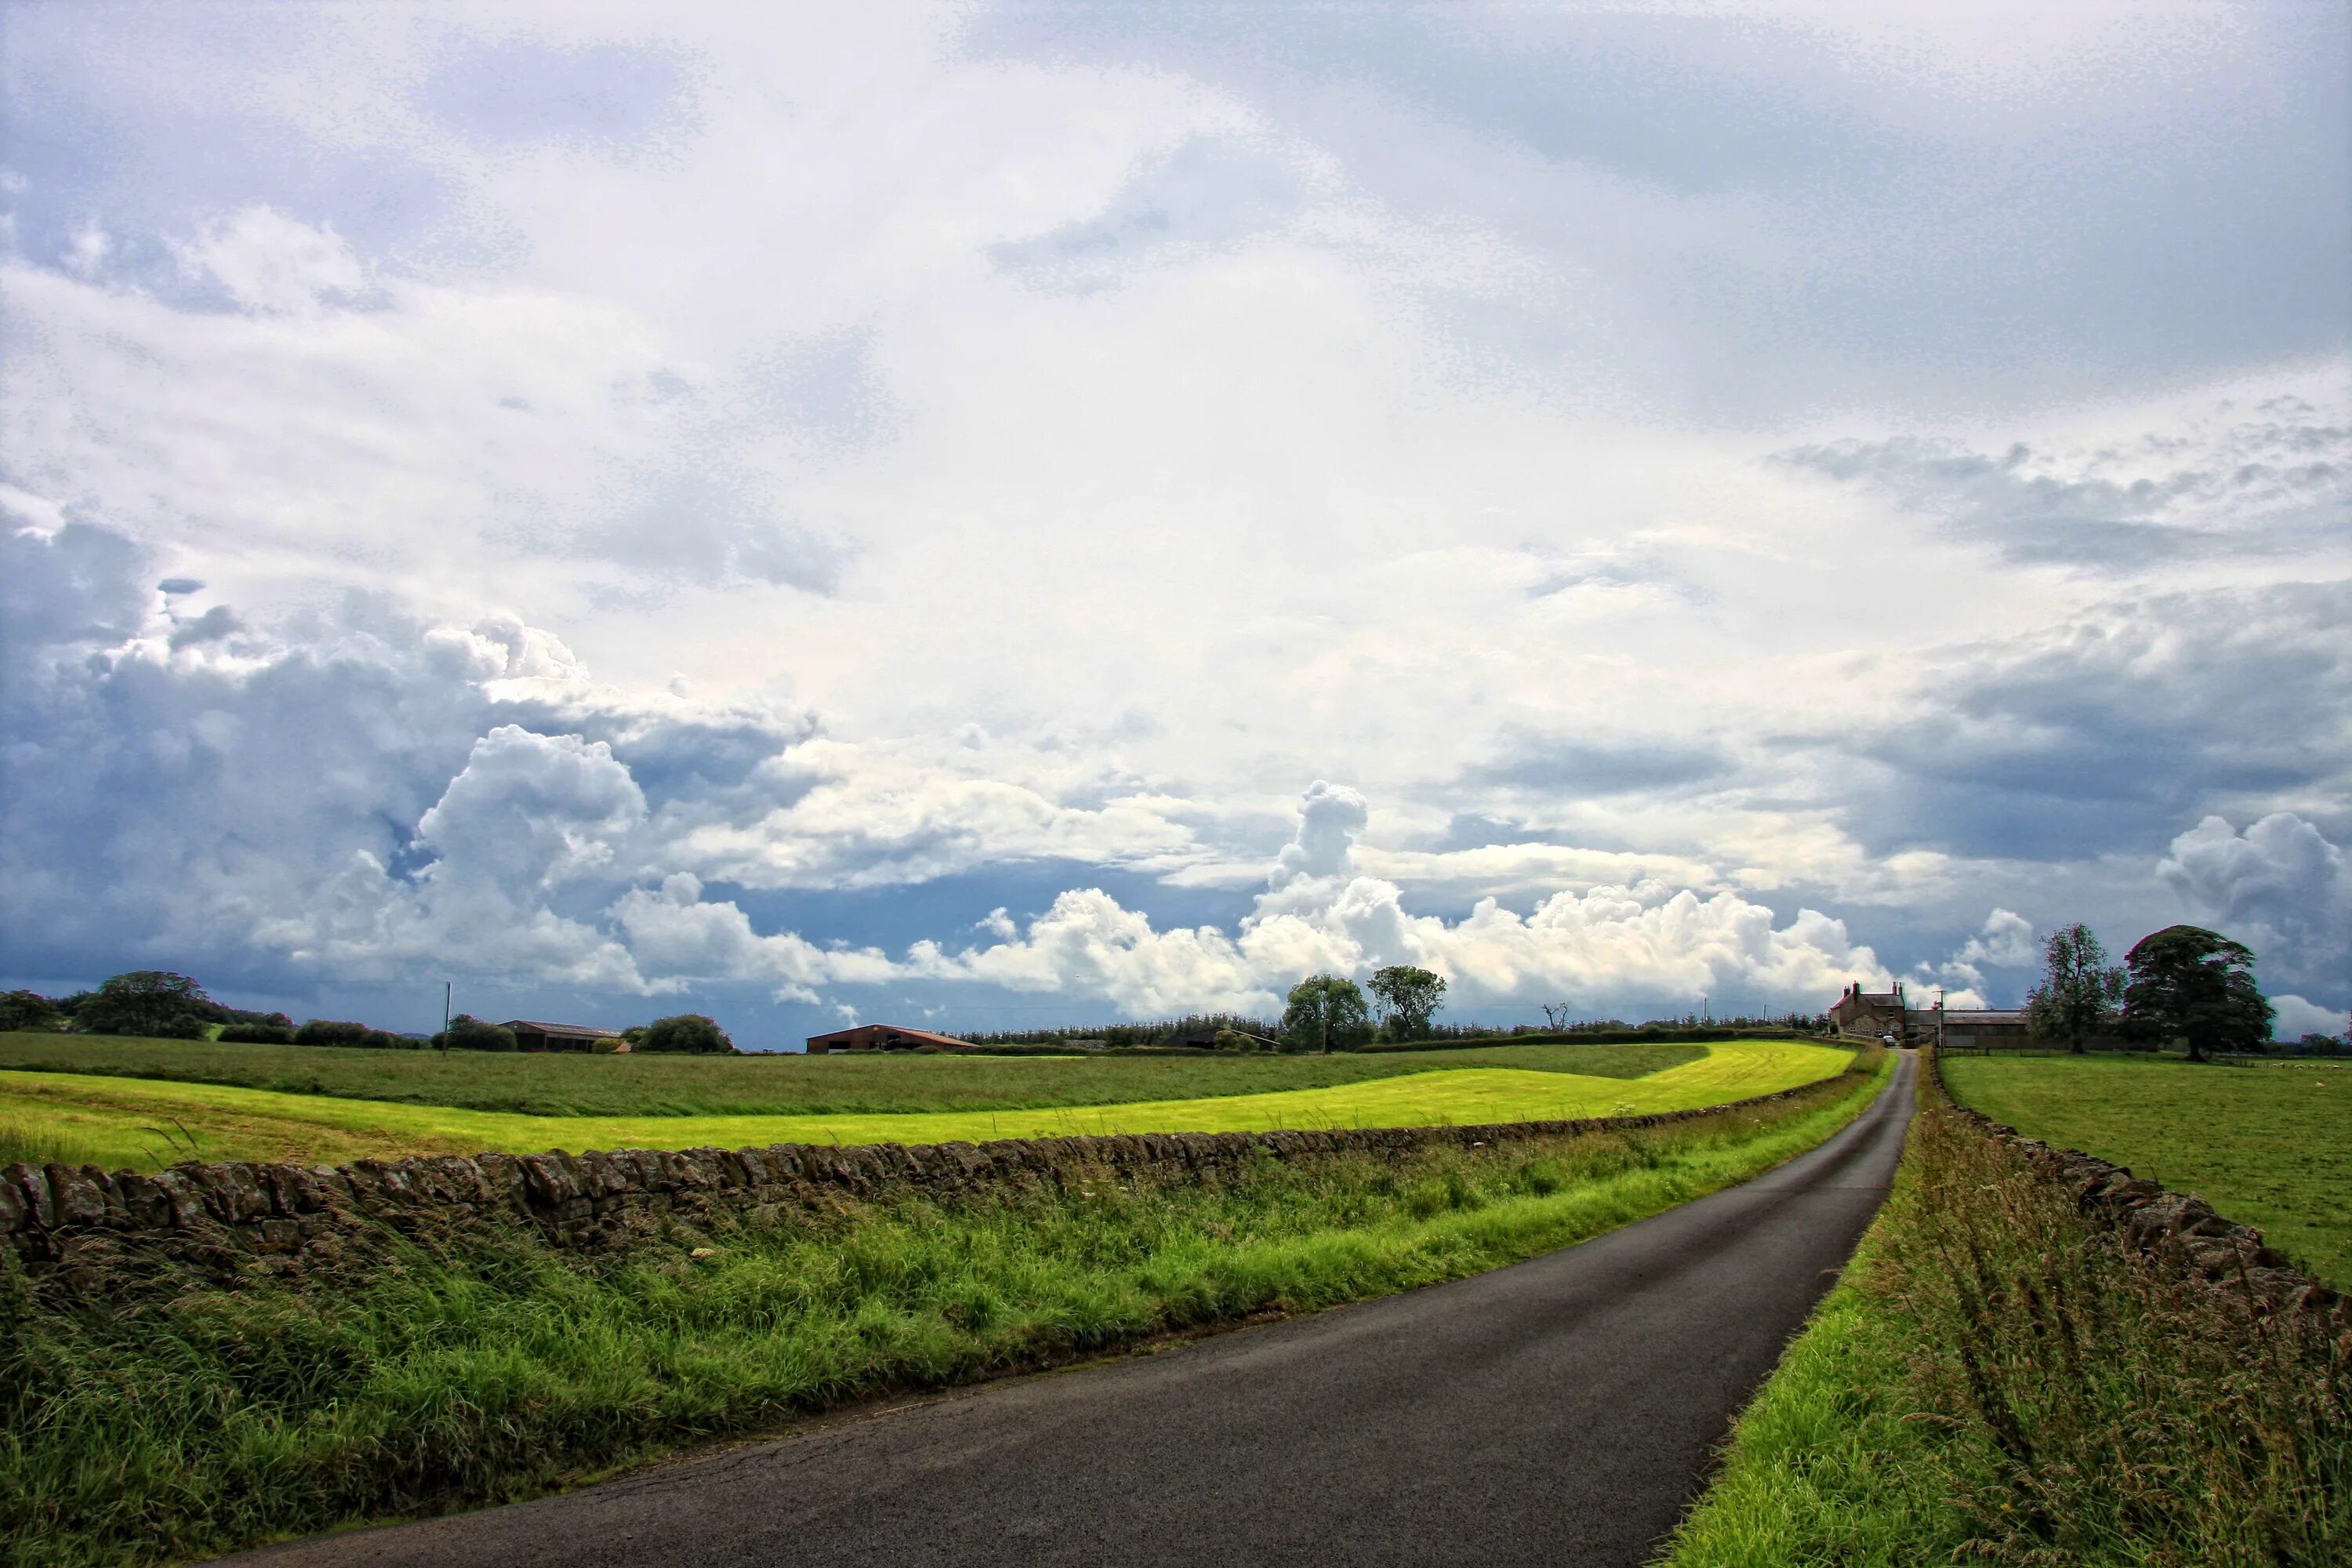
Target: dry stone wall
[(62, 1222), (2167, 1229)]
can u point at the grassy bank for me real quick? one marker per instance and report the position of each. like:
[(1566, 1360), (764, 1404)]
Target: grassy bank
[(847, 1085), (2270, 1146), (144, 1123), (1991, 1383), (170, 1422)]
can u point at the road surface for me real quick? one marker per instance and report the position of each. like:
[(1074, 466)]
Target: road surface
[(1561, 1412)]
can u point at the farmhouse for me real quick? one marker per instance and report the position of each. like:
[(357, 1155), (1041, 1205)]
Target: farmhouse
[(533, 1035), (1868, 1015), (884, 1037)]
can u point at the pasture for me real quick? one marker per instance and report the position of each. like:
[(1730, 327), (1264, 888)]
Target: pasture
[(2268, 1145), (147, 1124), (174, 1419), (782, 1085)]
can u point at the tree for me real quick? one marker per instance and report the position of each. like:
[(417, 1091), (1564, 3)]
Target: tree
[(2079, 993), (467, 1033), (1408, 997), (1325, 1013), (2187, 983), (687, 1032), (27, 1010), (147, 1002)]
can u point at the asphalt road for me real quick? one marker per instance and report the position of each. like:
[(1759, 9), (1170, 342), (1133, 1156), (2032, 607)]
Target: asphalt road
[(1558, 1411)]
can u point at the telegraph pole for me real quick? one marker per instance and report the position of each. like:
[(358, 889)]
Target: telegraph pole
[(448, 994)]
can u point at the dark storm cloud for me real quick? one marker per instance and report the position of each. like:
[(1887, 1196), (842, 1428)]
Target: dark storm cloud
[(160, 806), (1581, 766), (2114, 732)]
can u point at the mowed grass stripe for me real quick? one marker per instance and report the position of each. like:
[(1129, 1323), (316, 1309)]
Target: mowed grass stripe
[(125, 1121)]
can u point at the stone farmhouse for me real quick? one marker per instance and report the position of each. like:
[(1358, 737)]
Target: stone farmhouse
[(1875, 1014)]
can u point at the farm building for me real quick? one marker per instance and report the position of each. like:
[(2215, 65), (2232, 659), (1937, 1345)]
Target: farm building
[(884, 1037), (1869, 1014), (1967, 1026), (533, 1035)]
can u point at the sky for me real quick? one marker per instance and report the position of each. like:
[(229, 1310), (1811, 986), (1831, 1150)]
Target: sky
[(986, 515)]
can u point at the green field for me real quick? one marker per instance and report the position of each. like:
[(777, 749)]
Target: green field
[(2269, 1145), (145, 1123), (783, 1085), (166, 1417)]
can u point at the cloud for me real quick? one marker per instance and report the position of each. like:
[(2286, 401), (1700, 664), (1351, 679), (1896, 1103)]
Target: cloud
[(1569, 765), (2108, 731), (2265, 486), (1606, 945), (2280, 887), (2297, 1017), (2006, 943), (269, 262)]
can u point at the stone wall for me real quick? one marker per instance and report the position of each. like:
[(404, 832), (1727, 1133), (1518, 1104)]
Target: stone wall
[(2167, 1229), (66, 1222)]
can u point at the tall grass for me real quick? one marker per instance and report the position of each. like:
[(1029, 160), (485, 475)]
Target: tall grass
[(173, 1419), (1996, 1381)]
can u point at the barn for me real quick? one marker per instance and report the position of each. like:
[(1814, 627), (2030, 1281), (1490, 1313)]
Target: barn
[(884, 1037), (535, 1035)]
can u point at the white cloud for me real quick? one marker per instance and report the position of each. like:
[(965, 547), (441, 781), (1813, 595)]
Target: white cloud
[(2297, 1017), (1608, 945), (2280, 888), (267, 261)]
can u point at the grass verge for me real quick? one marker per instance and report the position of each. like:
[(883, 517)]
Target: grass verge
[(1994, 1382), (139, 1119), (2269, 1145), (174, 1420)]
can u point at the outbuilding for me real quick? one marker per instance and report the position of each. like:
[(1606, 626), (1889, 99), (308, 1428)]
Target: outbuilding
[(535, 1035), (884, 1037)]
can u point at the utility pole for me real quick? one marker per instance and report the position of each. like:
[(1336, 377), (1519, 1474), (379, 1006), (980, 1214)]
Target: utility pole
[(448, 994)]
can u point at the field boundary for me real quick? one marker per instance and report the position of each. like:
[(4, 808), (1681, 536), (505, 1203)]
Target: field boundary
[(57, 1217), (2178, 1230)]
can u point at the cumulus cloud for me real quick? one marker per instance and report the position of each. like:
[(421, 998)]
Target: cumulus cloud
[(2297, 1017), (2280, 887), (1615, 944)]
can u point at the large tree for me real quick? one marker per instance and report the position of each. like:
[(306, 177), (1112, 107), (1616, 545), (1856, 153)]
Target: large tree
[(153, 1002), (2187, 983), (690, 1032), (2080, 991), (1408, 998), (1325, 1013)]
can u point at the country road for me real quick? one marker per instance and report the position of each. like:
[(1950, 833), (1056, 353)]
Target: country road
[(1561, 1412)]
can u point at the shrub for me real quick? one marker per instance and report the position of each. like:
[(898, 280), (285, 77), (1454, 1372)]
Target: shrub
[(256, 1034), (689, 1032), (467, 1033), (331, 1032)]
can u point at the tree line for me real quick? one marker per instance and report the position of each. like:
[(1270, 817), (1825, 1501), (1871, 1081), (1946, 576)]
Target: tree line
[(2183, 983), (160, 1005)]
